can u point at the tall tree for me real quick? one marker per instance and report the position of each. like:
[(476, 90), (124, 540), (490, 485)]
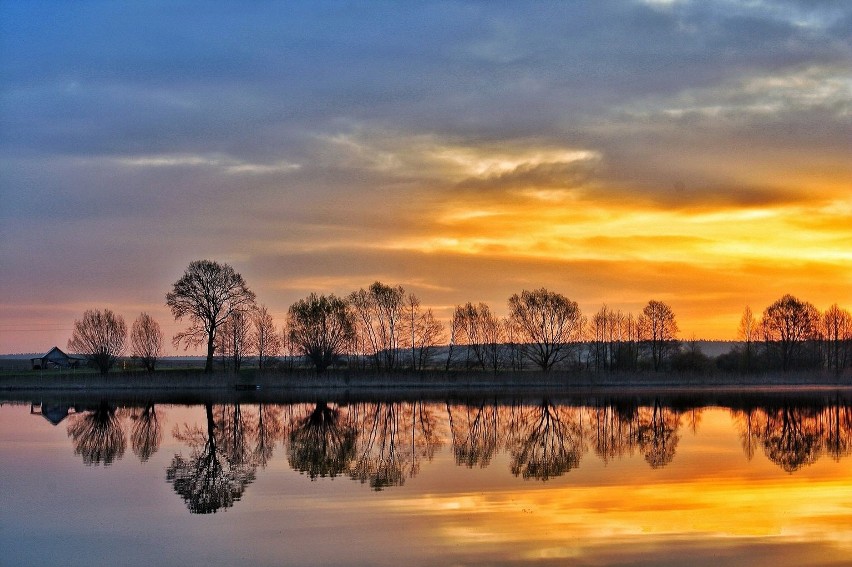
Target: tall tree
[(380, 315), (234, 340), (146, 340), (787, 325), (547, 324), (321, 327), (748, 333), (267, 342), (100, 336), (208, 293), (658, 331), (837, 329)]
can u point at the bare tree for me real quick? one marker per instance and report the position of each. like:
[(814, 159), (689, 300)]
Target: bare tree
[(380, 314), (208, 293), (658, 331), (837, 329), (547, 324), (321, 327), (100, 336), (267, 342), (787, 325), (234, 340), (456, 335), (748, 333), (146, 340), (430, 333)]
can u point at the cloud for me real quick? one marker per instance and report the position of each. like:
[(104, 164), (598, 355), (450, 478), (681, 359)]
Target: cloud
[(226, 164), (470, 147)]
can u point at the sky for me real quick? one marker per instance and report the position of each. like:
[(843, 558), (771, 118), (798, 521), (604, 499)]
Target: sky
[(692, 152)]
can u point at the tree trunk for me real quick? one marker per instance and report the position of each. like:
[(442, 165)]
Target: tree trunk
[(208, 366)]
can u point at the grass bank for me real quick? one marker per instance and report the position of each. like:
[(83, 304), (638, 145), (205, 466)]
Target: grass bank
[(196, 379)]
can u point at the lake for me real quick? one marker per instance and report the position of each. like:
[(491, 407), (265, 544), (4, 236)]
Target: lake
[(644, 479)]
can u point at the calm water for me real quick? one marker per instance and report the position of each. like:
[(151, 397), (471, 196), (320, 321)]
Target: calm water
[(617, 481)]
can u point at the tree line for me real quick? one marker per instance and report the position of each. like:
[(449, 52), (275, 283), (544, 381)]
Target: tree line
[(384, 328)]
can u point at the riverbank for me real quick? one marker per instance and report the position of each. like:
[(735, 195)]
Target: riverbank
[(424, 381)]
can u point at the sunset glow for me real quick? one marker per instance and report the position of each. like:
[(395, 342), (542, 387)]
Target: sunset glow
[(694, 152)]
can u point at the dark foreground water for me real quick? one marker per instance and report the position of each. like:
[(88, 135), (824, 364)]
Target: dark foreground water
[(609, 480)]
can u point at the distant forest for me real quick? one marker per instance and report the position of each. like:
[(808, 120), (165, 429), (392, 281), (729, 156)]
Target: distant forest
[(384, 328)]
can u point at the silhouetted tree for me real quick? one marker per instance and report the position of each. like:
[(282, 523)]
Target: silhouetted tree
[(748, 333), (380, 315), (837, 330), (422, 333), (207, 481), (482, 333), (267, 342), (321, 327), (234, 340), (146, 340), (547, 324), (98, 435), (788, 324), (208, 294), (658, 332), (146, 434), (100, 336)]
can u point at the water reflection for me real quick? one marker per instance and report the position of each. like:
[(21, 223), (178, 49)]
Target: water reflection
[(215, 475), (793, 437), (321, 443), (98, 435), (546, 440), (146, 434), (382, 444)]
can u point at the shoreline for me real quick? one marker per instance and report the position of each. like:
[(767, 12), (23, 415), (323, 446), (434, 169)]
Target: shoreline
[(271, 387)]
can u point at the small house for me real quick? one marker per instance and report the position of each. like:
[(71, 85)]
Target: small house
[(55, 358)]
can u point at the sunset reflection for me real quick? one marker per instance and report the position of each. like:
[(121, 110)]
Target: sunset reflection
[(616, 480)]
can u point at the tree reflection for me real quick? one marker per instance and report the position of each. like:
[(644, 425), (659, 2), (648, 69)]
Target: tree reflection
[(794, 437), (474, 433), (657, 433), (837, 424), (321, 443), (791, 439), (382, 458), (269, 429), (614, 431), (209, 480), (392, 440), (146, 435), (98, 435), (547, 442)]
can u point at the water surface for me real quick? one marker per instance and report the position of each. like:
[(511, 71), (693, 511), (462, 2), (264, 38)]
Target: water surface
[(601, 480)]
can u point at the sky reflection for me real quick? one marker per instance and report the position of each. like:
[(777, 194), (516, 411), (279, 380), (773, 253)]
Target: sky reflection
[(417, 495)]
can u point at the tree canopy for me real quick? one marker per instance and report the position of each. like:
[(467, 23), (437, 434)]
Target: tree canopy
[(208, 294)]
